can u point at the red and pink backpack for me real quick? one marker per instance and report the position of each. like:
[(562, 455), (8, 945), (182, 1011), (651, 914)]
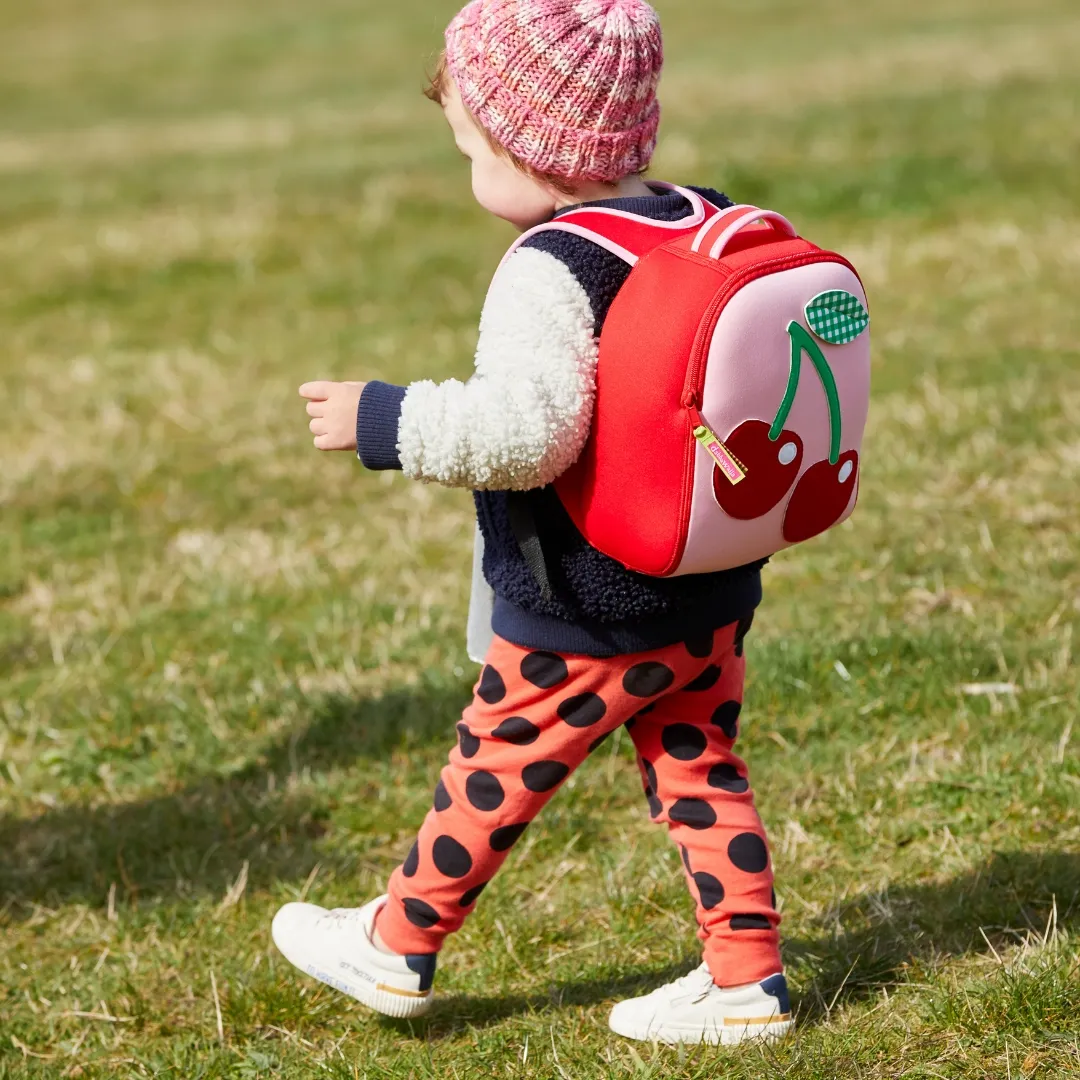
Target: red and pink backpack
[(714, 442)]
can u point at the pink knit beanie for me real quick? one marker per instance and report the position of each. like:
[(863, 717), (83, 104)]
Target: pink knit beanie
[(567, 86)]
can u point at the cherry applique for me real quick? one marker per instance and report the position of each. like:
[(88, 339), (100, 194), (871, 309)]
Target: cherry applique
[(772, 457), (771, 465), (821, 497), (824, 491)]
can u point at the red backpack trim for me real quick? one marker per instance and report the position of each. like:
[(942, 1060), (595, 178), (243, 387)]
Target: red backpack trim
[(629, 236)]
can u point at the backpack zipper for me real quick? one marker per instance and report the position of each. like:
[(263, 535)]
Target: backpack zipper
[(730, 465)]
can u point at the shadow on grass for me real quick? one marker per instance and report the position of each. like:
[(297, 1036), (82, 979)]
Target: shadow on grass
[(194, 840), (878, 940), (869, 946), (452, 1014), (866, 947)]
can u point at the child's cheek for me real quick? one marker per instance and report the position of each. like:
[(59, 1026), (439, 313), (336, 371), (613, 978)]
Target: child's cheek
[(508, 194)]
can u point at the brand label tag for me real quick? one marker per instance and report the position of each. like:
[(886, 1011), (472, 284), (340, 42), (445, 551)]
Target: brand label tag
[(730, 465)]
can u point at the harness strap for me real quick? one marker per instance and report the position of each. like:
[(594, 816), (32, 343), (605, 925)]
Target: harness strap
[(523, 523)]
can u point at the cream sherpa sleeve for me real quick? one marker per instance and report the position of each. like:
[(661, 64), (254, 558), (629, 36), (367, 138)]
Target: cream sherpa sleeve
[(523, 418)]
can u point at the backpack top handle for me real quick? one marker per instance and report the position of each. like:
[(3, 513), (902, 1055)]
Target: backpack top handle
[(736, 219)]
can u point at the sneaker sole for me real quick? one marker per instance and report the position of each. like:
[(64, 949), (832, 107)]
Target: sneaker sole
[(388, 1000), (735, 1030)]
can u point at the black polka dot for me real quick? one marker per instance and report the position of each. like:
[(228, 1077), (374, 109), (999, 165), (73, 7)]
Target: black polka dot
[(467, 742), (685, 858), (684, 741), (650, 774), (597, 743), (442, 800), (706, 680), (656, 807), (750, 922), (710, 890), (469, 898), (727, 778), (505, 838), (542, 776), (696, 813), (492, 689), (412, 861), (517, 730), (583, 711), (544, 669), (700, 646), (451, 858), (648, 679), (484, 791), (726, 718), (748, 852), (420, 914)]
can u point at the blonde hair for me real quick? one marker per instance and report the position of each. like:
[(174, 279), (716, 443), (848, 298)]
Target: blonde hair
[(436, 91)]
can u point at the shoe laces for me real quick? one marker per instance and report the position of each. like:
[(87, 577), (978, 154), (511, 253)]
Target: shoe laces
[(698, 982), (341, 919)]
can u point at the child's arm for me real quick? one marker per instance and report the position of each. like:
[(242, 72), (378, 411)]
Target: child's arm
[(524, 416)]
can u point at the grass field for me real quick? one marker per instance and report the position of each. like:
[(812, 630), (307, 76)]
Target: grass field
[(230, 668)]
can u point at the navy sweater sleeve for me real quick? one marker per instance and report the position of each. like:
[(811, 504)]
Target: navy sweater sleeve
[(377, 418)]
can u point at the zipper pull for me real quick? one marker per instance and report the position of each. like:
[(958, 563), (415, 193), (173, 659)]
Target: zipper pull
[(730, 465)]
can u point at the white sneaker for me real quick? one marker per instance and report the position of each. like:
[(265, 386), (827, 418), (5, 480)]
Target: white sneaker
[(336, 948), (694, 1009)]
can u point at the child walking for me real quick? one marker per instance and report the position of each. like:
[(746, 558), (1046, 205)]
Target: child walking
[(554, 104)]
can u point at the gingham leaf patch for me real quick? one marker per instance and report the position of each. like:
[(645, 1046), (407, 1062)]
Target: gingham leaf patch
[(837, 317)]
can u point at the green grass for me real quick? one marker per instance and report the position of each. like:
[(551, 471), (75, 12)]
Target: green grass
[(230, 668)]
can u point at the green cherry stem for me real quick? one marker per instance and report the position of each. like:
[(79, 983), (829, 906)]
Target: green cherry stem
[(792, 390), (828, 381), (801, 342)]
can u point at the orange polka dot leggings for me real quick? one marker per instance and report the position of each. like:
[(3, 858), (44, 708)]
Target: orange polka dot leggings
[(535, 718)]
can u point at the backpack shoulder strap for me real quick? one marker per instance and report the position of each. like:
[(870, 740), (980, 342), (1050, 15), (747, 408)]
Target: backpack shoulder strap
[(628, 236)]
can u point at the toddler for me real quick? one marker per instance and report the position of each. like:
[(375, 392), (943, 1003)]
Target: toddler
[(554, 104)]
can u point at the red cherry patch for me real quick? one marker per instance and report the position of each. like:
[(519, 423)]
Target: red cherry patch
[(821, 497), (771, 468)]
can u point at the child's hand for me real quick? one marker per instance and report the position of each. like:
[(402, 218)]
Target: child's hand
[(333, 406)]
